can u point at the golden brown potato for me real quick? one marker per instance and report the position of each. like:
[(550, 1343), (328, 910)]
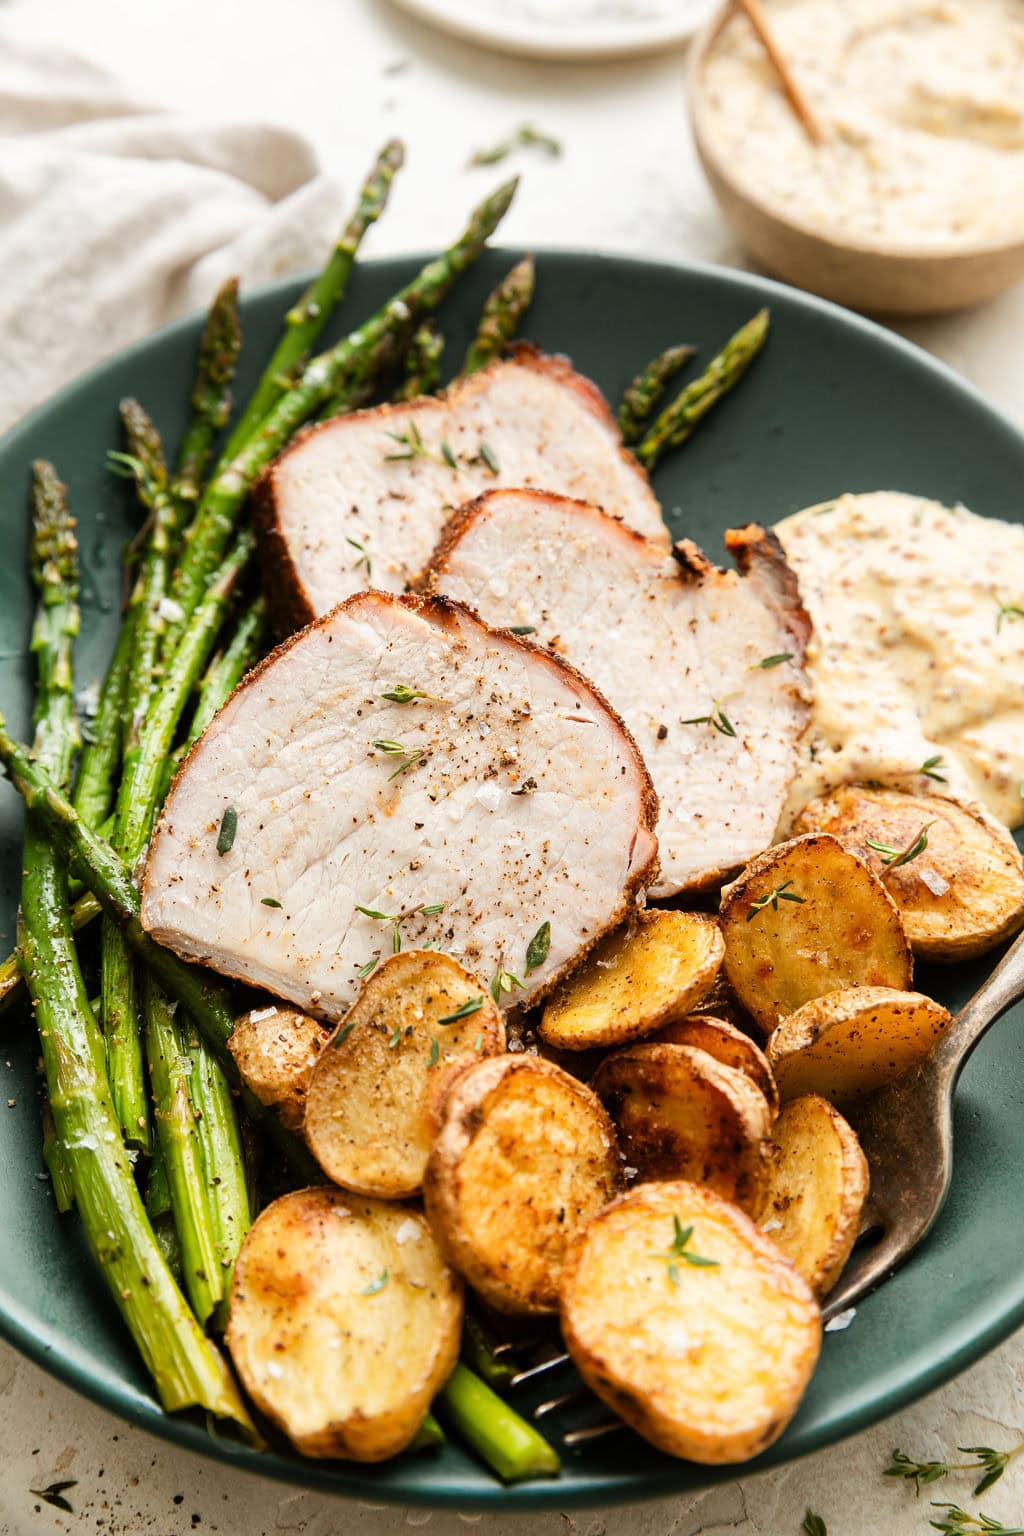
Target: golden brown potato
[(726, 1044), (680, 1114), (345, 1320), (721, 1002), (275, 1049), (806, 918), (639, 978), (689, 1323), (525, 1155), (963, 893), (816, 1190), (371, 1109), (848, 1044)]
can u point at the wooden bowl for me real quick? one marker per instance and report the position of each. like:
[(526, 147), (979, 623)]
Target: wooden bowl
[(882, 279)]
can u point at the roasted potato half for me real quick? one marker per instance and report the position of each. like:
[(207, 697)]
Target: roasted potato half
[(816, 1190), (960, 895), (848, 1044), (371, 1108), (680, 1114), (726, 1044), (524, 1156), (689, 1323), (275, 1049), (345, 1320), (647, 973), (806, 918)]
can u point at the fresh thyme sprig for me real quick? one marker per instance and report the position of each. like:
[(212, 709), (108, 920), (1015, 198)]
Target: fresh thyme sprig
[(54, 1493), (396, 919), (932, 768), (364, 556), (990, 1462), (410, 758), (504, 981), (892, 858), (680, 1250), (717, 718), (957, 1522), (1007, 613), (772, 898), (526, 136)]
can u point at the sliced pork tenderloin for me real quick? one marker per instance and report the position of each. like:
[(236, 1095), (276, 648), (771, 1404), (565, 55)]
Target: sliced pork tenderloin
[(505, 795), (360, 501), (705, 666)]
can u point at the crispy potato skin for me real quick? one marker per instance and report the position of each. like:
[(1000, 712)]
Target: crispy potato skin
[(275, 1050), (640, 978), (850, 1043), (816, 1190), (969, 853), (726, 1044), (374, 1099), (843, 931), (344, 1322), (680, 1114), (524, 1156), (710, 1364)]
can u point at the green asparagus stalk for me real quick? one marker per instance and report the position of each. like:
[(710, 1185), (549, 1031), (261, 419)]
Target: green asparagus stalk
[(220, 1143), (181, 1153), (56, 1159), (211, 393), (306, 319), (122, 1032), (226, 671), (646, 390), (422, 363), (508, 1444), (188, 1371), (366, 377), (101, 754), (207, 1001), (679, 420), (225, 496), (84, 911), (501, 316), (429, 1436), (478, 1351)]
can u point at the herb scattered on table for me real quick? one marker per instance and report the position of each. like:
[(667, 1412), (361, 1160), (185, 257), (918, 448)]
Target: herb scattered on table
[(526, 136), (990, 1462), (54, 1493)]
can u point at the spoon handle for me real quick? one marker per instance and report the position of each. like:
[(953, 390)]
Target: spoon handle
[(999, 991)]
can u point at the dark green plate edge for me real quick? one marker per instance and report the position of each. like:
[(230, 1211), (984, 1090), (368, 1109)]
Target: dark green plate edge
[(415, 1480)]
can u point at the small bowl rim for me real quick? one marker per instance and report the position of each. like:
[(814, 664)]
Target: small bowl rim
[(699, 50)]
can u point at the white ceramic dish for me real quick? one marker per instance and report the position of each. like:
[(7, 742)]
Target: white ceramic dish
[(549, 29)]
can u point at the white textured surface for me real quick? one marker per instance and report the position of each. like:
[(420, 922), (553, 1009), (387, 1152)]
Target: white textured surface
[(628, 182)]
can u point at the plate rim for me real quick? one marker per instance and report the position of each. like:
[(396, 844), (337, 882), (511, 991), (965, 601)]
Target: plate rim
[(36, 1339), (593, 43)]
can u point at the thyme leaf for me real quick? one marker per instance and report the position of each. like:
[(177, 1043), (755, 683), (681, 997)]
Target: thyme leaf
[(269, 901), (395, 1038), (364, 556), (680, 1250), (932, 768), (1008, 612), (471, 1005), (435, 1054), (345, 1031), (538, 948), (54, 1493), (988, 1461), (228, 828), (376, 1286), (813, 1525), (774, 661), (401, 693), (957, 1522), (522, 629), (772, 898)]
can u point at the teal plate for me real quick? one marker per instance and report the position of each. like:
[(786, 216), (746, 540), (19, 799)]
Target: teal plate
[(834, 404)]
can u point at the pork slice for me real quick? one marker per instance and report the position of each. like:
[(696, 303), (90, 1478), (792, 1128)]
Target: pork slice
[(512, 796), (674, 643), (360, 501)]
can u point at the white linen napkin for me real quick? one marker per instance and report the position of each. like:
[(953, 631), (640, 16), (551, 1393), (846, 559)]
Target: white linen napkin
[(116, 216)]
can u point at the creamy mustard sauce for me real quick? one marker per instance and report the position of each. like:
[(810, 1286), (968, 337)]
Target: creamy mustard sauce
[(923, 106), (917, 649)]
